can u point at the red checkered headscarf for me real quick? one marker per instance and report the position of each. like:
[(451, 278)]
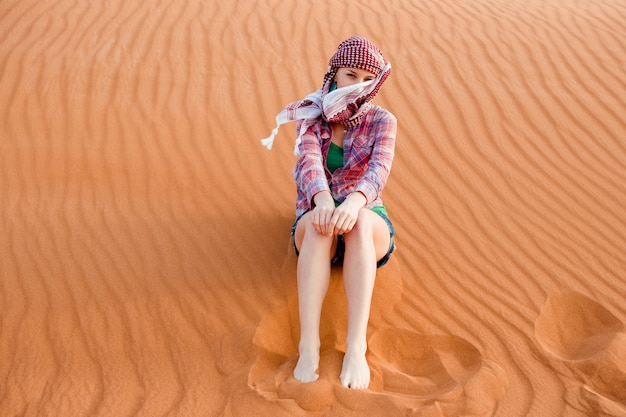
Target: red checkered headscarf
[(344, 105), (356, 52)]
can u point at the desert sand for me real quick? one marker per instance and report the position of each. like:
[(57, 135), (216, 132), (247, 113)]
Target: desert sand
[(145, 262)]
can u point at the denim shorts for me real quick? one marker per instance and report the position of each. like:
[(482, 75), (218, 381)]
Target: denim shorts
[(341, 245)]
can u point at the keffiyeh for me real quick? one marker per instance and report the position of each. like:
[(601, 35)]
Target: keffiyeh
[(344, 105)]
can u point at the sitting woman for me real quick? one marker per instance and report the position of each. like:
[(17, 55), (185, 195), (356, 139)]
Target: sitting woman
[(345, 148)]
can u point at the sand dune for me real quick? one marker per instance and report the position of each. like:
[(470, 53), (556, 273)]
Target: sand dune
[(145, 266)]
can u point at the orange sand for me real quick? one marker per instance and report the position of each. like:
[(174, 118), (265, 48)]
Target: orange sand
[(145, 266)]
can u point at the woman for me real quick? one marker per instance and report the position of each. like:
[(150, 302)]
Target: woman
[(345, 146)]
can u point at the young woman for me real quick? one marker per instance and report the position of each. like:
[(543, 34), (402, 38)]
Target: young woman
[(345, 146)]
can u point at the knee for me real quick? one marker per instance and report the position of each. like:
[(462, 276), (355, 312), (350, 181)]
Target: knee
[(363, 228), (308, 231)]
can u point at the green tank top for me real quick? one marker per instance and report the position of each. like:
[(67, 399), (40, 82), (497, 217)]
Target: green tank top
[(334, 160)]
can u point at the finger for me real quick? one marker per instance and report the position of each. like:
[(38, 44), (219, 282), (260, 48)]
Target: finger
[(330, 227), (335, 222), (337, 227), (329, 222), (346, 225), (316, 222), (342, 227), (321, 223), (350, 225), (332, 222)]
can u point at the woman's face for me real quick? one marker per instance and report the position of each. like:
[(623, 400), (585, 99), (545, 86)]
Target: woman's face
[(349, 76)]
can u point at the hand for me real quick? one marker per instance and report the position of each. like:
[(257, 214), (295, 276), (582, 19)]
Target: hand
[(323, 213), (346, 214)]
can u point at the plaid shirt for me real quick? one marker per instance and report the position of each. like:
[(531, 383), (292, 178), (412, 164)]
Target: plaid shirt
[(368, 150)]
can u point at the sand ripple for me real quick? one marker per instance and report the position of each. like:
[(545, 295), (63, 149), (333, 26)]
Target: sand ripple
[(145, 266)]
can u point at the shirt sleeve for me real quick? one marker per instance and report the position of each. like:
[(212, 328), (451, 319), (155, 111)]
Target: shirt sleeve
[(377, 173), (309, 171)]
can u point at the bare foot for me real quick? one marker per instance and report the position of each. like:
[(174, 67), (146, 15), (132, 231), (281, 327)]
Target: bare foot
[(355, 372), (306, 368)]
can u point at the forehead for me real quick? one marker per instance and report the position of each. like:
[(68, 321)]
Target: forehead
[(358, 71)]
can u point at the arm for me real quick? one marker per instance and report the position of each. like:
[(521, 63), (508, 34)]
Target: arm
[(310, 177), (309, 173), (374, 178), (377, 173)]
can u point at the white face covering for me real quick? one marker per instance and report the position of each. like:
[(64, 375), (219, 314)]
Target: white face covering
[(344, 105)]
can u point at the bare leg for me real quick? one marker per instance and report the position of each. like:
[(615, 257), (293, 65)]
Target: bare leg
[(365, 243), (313, 279)]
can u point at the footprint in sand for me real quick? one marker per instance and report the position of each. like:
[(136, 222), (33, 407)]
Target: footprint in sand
[(590, 341), (420, 365), (411, 373), (446, 373)]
